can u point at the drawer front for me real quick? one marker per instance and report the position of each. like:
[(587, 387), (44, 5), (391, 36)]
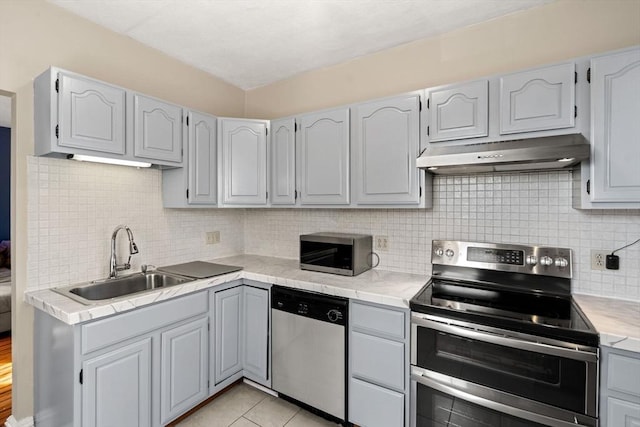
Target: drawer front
[(377, 320), (102, 333), (623, 414), (378, 360), (624, 374), (373, 406)]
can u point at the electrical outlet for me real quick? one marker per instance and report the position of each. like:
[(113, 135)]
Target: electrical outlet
[(382, 243), (598, 259), (212, 237)]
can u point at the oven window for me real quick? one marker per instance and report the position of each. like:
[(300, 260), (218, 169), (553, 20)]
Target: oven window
[(549, 379), (436, 409)]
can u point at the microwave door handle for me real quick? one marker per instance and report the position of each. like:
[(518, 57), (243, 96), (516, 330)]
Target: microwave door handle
[(494, 405), (506, 341)]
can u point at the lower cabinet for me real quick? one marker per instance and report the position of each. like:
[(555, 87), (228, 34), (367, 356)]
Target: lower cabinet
[(228, 323), (619, 388), (378, 365)]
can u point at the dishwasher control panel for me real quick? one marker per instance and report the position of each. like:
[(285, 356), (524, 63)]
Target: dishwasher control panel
[(310, 304)]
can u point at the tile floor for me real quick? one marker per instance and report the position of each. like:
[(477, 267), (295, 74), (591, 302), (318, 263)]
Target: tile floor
[(246, 406)]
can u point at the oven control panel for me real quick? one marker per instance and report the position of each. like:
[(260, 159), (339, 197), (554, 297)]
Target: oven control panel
[(548, 261)]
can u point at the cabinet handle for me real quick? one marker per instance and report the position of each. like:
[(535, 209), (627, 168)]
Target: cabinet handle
[(588, 186)]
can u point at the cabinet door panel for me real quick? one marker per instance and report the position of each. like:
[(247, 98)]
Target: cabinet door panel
[(117, 387), (157, 129), (203, 159), (91, 115), (373, 406), (622, 414), (244, 161), (615, 106), (256, 332), (538, 100), (184, 368), (387, 140), (283, 162), (458, 112), (377, 360), (324, 158), (228, 327)]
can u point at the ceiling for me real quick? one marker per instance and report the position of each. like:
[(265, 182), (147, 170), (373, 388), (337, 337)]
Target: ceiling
[(252, 43)]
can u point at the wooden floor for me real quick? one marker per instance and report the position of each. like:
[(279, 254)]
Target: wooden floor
[(5, 376)]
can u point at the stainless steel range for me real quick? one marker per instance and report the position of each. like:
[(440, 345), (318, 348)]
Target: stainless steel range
[(498, 341)]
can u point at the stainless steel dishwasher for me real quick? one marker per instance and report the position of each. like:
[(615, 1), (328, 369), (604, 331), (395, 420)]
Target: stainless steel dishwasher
[(309, 345)]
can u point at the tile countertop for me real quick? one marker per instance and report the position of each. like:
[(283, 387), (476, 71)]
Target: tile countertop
[(379, 286), (617, 321)]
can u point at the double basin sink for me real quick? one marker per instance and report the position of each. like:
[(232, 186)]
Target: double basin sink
[(121, 287)]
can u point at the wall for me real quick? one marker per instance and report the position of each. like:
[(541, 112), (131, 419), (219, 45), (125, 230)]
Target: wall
[(554, 32), (529, 208), (33, 36), (5, 183)]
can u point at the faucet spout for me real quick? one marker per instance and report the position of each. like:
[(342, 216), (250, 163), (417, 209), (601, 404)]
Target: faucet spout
[(133, 249)]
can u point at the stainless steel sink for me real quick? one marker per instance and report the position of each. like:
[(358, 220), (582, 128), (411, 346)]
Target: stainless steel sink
[(107, 289)]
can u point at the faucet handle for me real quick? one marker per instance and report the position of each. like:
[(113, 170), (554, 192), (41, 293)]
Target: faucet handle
[(144, 268)]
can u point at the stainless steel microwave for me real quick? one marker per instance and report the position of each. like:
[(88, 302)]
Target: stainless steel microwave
[(337, 253)]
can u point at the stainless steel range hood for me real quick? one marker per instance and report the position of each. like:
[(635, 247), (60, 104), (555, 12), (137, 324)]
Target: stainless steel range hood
[(552, 152)]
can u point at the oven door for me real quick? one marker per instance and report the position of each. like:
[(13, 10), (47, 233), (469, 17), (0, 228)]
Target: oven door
[(530, 372)]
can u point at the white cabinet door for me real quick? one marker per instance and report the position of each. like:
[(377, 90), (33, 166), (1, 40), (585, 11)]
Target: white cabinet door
[(283, 162), (621, 413), (184, 358), (256, 333), (243, 159), (91, 115), (537, 100), (202, 159), (228, 330), (385, 147), (157, 133), (116, 388), (324, 158), (615, 132), (459, 111)]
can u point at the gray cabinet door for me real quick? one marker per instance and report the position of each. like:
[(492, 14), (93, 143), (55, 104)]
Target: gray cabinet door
[(615, 135), (324, 158), (203, 159), (256, 333), (283, 162), (157, 133), (373, 406), (459, 111), (116, 390), (537, 100), (228, 333), (91, 115), (184, 360), (385, 147), (243, 158), (622, 413)]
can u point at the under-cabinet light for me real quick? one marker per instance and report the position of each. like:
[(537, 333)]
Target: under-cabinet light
[(83, 158)]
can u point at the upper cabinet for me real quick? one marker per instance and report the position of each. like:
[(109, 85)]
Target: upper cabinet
[(615, 128), (536, 100), (76, 115), (323, 159), (196, 184), (242, 147), (458, 111), (157, 129), (385, 147), (283, 162)]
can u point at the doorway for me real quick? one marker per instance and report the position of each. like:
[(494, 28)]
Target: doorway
[(6, 367)]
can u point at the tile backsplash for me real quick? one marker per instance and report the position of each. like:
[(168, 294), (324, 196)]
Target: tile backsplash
[(73, 208)]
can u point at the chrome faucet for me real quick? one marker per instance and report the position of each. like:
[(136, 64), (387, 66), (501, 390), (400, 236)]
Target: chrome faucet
[(133, 249)]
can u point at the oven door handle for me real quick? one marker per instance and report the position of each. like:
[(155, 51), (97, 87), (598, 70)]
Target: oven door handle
[(506, 341), (497, 406)]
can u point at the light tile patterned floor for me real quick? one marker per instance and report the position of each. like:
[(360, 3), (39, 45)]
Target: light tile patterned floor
[(246, 406)]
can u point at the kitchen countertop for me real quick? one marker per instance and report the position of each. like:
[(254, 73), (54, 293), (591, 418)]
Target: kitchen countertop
[(617, 321), (379, 286)]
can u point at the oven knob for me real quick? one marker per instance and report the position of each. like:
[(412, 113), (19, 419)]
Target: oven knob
[(546, 261), (439, 251), (561, 262), (449, 253), (532, 260)]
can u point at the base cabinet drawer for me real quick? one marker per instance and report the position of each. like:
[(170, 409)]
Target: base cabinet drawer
[(377, 360), (622, 413), (373, 406)]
